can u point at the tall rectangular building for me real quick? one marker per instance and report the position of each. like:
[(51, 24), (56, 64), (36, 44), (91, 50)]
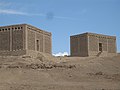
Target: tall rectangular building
[(91, 44), (24, 39)]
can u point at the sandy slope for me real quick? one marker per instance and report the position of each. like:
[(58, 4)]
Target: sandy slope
[(61, 73)]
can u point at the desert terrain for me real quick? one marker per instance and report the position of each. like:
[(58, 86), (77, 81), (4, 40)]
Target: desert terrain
[(59, 73)]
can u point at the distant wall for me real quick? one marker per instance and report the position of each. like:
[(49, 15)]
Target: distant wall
[(38, 40), (31, 40), (88, 44), (47, 43), (112, 45), (74, 46), (108, 44), (16, 39), (93, 43), (4, 39), (39, 36), (12, 38), (79, 45)]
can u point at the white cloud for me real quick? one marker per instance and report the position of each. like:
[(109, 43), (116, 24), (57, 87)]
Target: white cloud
[(50, 15), (7, 11), (61, 54), (14, 12), (4, 9)]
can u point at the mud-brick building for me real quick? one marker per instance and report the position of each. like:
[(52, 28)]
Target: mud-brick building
[(24, 39), (91, 44)]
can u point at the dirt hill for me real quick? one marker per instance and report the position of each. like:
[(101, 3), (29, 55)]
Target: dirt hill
[(59, 73)]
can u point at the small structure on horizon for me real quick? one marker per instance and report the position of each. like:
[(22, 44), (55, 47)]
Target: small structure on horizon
[(91, 44), (24, 39)]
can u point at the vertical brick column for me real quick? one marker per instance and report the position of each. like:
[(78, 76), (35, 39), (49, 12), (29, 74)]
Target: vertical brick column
[(51, 44), (43, 41), (26, 37), (35, 42), (88, 44), (11, 39)]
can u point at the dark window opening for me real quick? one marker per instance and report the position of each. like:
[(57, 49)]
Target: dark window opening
[(37, 42), (100, 47), (2, 29)]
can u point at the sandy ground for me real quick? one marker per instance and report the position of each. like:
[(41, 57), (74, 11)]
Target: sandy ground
[(60, 73)]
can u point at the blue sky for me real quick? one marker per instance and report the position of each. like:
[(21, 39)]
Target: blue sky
[(64, 18)]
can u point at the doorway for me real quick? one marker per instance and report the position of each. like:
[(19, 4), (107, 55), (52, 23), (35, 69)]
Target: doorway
[(100, 47), (37, 45)]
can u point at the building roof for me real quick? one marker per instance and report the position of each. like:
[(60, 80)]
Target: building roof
[(25, 25), (93, 34)]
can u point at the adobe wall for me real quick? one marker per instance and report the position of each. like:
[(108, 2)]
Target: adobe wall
[(17, 39), (108, 45), (112, 45), (31, 40), (12, 38), (39, 36), (44, 38), (4, 40), (47, 42), (94, 45), (74, 46), (87, 44), (79, 45)]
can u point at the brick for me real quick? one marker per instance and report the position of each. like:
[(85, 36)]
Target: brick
[(23, 38), (88, 44)]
